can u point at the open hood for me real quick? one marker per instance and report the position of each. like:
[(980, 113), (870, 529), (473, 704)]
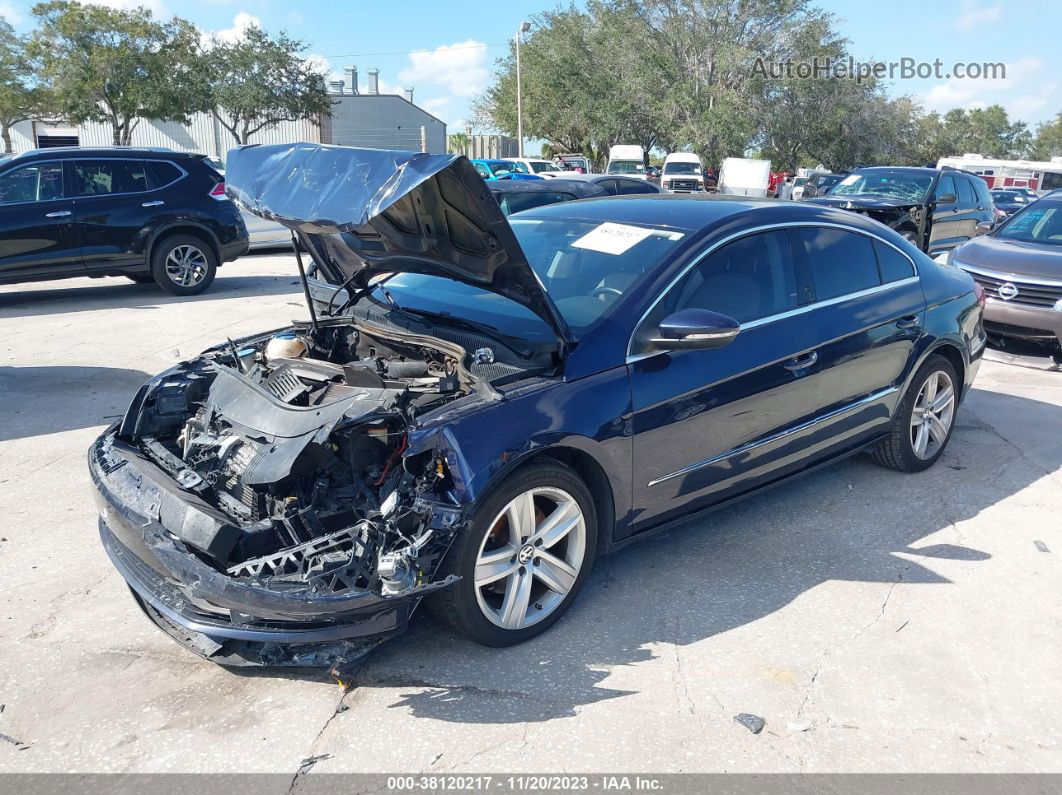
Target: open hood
[(363, 212)]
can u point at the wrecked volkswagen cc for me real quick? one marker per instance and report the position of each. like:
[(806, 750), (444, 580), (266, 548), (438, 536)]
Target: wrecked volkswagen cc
[(475, 407)]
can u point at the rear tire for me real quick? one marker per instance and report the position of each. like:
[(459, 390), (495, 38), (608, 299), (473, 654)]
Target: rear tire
[(536, 563), (183, 265), (924, 420)]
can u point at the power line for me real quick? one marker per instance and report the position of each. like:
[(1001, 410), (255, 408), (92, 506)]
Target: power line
[(444, 48)]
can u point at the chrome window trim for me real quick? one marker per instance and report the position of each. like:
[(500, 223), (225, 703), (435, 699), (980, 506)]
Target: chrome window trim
[(31, 164), (744, 448), (1008, 277), (781, 315), (74, 160)]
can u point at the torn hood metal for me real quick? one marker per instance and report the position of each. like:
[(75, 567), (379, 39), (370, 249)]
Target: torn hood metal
[(365, 212)]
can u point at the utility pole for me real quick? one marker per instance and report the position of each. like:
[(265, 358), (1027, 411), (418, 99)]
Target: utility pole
[(524, 27)]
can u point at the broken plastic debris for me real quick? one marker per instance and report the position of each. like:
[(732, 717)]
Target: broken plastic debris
[(798, 726), (754, 723)]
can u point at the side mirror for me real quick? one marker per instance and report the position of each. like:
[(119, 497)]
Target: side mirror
[(983, 228), (695, 329), (947, 198)]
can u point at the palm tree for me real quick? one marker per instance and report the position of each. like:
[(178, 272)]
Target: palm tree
[(459, 143)]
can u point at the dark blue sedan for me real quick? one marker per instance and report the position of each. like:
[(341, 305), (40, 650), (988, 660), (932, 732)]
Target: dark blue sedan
[(477, 407)]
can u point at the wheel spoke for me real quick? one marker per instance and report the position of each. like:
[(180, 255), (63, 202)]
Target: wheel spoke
[(943, 399), (931, 388), (517, 598), (521, 515), (558, 524), (937, 430), (494, 565), (555, 574), (921, 439)]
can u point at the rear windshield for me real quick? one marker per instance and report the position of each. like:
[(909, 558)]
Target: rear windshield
[(517, 202)]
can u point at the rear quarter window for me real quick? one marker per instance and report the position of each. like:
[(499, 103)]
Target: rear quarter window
[(160, 173), (892, 265)]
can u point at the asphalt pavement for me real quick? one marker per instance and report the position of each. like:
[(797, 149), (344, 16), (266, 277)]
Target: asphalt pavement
[(876, 622)]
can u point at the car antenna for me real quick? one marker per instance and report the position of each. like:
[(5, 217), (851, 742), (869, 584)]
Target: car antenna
[(305, 285)]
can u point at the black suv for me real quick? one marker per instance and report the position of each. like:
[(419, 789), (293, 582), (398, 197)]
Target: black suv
[(935, 210), (146, 214)]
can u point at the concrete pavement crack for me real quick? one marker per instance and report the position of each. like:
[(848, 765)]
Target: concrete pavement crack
[(311, 758)]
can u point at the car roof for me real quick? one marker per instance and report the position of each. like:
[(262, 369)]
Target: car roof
[(906, 169), (553, 185), (493, 161), (68, 152), (702, 213)]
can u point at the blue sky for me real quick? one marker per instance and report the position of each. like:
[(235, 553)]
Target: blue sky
[(458, 42)]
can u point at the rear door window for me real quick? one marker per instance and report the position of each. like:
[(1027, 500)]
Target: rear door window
[(966, 192), (109, 177), (841, 262)]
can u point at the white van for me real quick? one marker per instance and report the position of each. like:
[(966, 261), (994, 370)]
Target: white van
[(626, 159), (682, 173)]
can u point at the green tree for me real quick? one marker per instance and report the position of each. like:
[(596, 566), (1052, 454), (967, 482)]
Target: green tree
[(260, 80), (458, 143), (109, 65), (21, 99), (1048, 140)]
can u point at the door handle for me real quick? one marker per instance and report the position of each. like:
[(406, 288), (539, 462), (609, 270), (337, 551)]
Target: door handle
[(57, 214), (157, 203), (910, 321), (801, 362)]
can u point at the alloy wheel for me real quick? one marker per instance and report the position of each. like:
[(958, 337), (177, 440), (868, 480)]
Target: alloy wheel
[(530, 558), (934, 412), (186, 265)]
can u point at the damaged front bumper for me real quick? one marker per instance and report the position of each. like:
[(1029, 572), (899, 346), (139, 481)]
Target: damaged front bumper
[(208, 611)]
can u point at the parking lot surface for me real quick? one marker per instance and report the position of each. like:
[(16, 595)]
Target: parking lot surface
[(875, 621)]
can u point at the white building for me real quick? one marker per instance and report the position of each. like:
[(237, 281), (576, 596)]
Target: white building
[(1039, 175), (372, 119)]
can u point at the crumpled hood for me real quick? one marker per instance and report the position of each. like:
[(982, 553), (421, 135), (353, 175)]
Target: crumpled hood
[(363, 212), (999, 255), (864, 203)]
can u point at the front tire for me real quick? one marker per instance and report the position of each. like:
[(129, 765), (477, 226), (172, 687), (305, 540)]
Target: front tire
[(924, 420), (183, 265), (523, 558)]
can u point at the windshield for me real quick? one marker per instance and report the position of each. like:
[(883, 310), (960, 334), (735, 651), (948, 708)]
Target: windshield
[(585, 267), (625, 167), (892, 184), (1009, 196), (682, 168), (539, 167), (502, 167), (1038, 223), (799, 181)]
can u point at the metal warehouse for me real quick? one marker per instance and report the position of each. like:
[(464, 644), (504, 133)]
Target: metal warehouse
[(370, 119)]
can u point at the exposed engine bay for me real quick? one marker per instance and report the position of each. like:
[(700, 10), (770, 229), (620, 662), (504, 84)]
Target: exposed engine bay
[(296, 441)]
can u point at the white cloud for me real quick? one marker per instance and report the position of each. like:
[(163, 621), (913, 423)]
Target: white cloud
[(240, 23), (10, 13), (1024, 92), (460, 68), (974, 15)]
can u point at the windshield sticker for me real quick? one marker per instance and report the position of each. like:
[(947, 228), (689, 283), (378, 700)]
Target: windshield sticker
[(610, 238)]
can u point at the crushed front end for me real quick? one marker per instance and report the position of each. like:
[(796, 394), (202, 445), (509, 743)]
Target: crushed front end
[(262, 504)]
